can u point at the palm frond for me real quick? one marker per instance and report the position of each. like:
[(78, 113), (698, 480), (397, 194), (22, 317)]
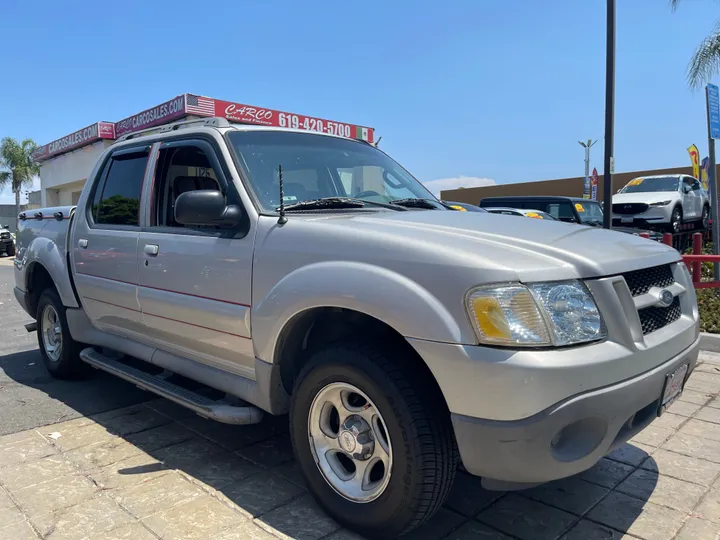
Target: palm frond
[(674, 4), (5, 177), (706, 61)]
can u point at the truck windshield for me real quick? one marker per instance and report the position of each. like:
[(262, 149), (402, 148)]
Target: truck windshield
[(316, 166), (657, 183)]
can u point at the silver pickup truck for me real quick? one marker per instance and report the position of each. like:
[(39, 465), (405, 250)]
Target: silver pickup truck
[(311, 274)]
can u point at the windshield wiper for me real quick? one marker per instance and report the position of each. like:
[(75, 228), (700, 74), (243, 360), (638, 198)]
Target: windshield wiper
[(416, 203), (325, 202), (338, 203)]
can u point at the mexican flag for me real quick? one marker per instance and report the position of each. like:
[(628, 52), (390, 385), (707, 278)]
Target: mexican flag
[(362, 133)]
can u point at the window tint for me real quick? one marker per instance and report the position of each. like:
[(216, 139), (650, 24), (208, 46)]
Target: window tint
[(179, 169), (119, 202)]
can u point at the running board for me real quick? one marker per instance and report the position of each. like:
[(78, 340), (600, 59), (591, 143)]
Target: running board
[(220, 411)]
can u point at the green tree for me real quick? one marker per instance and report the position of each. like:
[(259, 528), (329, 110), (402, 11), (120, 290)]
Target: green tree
[(706, 61), (19, 167)]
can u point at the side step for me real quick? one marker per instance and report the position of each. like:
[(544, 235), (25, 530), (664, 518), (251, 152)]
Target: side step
[(208, 408)]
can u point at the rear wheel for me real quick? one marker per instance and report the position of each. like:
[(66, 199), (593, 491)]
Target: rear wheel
[(705, 217), (373, 439), (60, 352)]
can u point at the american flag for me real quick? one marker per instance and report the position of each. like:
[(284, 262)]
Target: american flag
[(200, 105)]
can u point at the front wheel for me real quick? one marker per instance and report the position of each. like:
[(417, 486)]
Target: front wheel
[(373, 439), (11, 250), (705, 217), (60, 352), (676, 221)]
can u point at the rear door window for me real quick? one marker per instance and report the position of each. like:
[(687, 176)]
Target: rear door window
[(117, 200)]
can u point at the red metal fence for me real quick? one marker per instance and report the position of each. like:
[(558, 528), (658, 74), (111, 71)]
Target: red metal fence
[(694, 261)]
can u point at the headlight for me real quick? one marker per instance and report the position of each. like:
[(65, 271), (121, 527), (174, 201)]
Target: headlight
[(542, 314), (662, 203)]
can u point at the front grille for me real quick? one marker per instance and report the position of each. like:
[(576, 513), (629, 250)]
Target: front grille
[(655, 318), (641, 281), (5, 235), (629, 208)]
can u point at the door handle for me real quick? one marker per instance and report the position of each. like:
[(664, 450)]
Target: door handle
[(82, 243), (151, 250)]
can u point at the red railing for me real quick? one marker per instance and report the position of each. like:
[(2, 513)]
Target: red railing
[(694, 261)]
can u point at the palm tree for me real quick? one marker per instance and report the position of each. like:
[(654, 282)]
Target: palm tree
[(706, 61), (16, 159)]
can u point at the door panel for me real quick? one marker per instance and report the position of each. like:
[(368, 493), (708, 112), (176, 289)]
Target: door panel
[(104, 244), (195, 283), (688, 200), (195, 298)]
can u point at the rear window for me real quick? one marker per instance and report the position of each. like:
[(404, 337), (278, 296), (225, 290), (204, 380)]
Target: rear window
[(118, 202)]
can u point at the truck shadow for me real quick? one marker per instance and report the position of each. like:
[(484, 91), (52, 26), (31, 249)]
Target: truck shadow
[(132, 441)]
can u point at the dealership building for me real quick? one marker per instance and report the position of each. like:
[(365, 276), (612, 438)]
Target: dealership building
[(66, 163)]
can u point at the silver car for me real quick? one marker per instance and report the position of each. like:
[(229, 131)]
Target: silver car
[(311, 274), (668, 201)]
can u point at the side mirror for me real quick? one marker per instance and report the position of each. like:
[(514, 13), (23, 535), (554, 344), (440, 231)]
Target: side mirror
[(206, 207)]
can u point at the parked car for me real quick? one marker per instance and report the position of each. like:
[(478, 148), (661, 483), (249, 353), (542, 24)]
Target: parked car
[(567, 209), (463, 207), (523, 212), (666, 201), (399, 335), (7, 242)]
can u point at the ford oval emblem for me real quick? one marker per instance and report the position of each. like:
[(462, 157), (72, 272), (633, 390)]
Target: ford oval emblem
[(666, 298)]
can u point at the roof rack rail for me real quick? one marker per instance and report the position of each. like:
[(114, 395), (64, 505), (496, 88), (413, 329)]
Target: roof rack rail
[(216, 121)]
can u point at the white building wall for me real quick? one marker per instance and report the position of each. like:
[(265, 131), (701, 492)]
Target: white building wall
[(62, 177)]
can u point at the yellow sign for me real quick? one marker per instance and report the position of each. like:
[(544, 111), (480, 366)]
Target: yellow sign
[(534, 215), (695, 160), (635, 182), (579, 207), (456, 207)]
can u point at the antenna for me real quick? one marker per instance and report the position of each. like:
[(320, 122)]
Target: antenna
[(282, 220)]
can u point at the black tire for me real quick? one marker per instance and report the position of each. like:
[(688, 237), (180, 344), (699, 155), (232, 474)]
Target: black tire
[(418, 426), (68, 364), (11, 250), (676, 221), (705, 217)]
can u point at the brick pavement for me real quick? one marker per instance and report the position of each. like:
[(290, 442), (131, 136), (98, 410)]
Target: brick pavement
[(157, 471)]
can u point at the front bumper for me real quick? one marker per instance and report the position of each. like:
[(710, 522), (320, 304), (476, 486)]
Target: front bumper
[(567, 438), (655, 215)]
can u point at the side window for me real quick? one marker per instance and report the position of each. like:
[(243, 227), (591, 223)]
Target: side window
[(696, 185), (554, 210), (566, 212), (179, 169), (687, 184), (118, 202)]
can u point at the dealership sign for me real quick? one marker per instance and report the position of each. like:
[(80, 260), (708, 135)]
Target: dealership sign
[(82, 137), (163, 113), (193, 105)]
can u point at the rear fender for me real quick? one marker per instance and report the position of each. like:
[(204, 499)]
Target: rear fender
[(46, 253)]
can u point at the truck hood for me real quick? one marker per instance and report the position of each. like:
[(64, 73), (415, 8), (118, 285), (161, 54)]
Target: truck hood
[(647, 197), (510, 247)]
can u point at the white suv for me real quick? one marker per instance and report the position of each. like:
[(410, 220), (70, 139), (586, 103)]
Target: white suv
[(665, 200)]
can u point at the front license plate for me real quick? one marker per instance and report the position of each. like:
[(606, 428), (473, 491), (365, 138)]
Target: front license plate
[(626, 220), (673, 386)]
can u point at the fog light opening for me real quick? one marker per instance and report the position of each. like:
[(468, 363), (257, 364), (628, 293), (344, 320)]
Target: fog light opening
[(577, 440)]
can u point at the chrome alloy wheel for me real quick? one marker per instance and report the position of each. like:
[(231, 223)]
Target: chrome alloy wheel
[(51, 333), (350, 442)]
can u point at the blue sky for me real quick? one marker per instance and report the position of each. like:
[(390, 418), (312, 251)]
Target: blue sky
[(462, 88)]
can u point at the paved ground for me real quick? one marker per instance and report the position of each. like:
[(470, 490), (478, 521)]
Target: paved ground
[(98, 459)]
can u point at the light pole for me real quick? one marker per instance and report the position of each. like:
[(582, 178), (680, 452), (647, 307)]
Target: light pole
[(587, 146), (609, 114)]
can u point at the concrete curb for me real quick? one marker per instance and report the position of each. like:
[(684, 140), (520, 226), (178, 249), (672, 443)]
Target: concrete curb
[(710, 342)]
